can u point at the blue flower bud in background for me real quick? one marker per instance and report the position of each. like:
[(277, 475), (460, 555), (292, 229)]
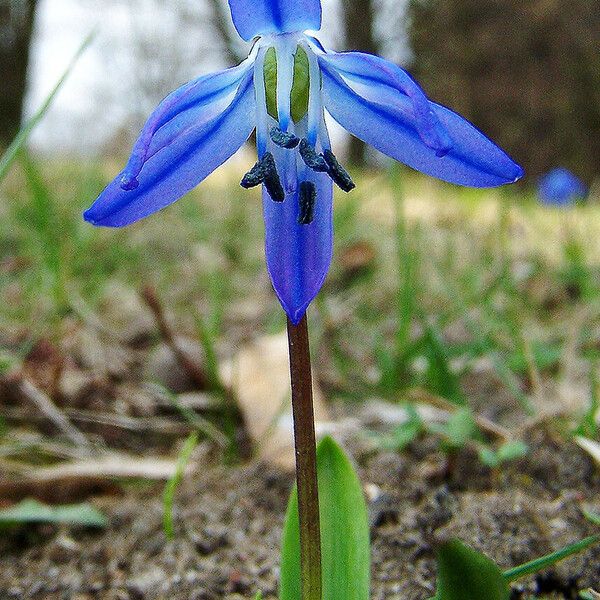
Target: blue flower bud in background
[(560, 187)]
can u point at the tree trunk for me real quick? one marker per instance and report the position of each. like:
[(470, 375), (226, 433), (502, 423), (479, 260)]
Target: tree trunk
[(359, 17), (16, 26)]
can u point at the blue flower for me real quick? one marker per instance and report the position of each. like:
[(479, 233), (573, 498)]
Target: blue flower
[(282, 90), (560, 187)]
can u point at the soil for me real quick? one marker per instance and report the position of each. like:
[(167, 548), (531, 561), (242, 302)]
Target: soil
[(229, 522)]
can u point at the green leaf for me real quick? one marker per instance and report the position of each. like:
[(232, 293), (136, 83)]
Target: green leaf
[(464, 574), (8, 157), (300, 87), (408, 432), (545, 356), (32, 511), (512, 451), (506, 453), (344, 532), (460, 428), (489, 458)]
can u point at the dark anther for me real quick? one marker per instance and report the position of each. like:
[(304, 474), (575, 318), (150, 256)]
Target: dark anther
[(283, 139), (254, 177), (307, 197), (274, 187), (265, 171), (339, 175), (310, 157)]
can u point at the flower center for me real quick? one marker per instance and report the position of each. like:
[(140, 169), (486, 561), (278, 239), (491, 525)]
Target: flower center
[(292, 140)]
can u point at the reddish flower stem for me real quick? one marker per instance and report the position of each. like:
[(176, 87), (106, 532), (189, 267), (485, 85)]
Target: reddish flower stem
[(306, 460)]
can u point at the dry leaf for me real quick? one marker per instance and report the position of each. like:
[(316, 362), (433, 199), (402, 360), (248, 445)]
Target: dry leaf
[(259, 376)]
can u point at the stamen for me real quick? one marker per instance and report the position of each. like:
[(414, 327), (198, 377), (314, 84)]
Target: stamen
[(311, 159), (254, 177), (307, 197), (339, 175), (315, 105), (265, 171), (262, 136), (273, 183), (284, 139)]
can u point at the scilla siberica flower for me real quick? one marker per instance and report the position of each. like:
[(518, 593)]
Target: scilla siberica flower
[(282, 90), (560, 187)]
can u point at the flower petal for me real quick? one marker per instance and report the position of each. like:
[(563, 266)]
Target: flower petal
[(370, 69), (179, 156), (386, 120), (262, 17), (299, 256), (196, 102)]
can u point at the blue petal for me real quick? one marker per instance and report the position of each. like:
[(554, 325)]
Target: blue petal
[(385, 119), (299, 256), (370, 69), (183, 149), (263, 17)]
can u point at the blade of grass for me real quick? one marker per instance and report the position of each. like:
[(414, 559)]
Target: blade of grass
[(208, 341), (485, 345), (407, 270), (544, 562), (9, 156), (441, 378), (173, 483), (588, 426), (592, 517), (48, 228)]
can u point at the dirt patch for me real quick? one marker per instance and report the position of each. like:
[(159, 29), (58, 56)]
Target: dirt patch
[(229, 525)]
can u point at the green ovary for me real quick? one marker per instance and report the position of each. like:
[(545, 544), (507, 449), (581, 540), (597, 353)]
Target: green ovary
[(300, 87)]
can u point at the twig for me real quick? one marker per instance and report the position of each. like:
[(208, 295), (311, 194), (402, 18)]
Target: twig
[(151, 424), (66, 482), (29, 392), (483, 423), (197, 422), (193, 370)]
